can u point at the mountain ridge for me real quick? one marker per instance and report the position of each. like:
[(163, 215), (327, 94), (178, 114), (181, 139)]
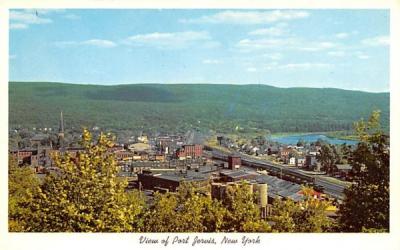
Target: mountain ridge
[(176, 107)]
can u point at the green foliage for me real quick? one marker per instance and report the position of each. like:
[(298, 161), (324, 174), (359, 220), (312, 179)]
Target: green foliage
[(85, 195), (22, 182), (185, 211), (328, 157), (243, 214), (308, 215), (189, 211), (219, 107), (366, 207)]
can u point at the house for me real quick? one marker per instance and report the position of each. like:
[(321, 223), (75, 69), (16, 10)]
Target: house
[(274, 150), (311, 160), (342, 170), (284, 153), (300, 161), (292, 161)]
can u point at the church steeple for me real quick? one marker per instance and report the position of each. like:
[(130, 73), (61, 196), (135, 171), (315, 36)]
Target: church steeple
[(61, 127), (61, 133)]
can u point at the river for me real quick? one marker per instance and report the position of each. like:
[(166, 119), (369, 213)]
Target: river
[(308, 138)]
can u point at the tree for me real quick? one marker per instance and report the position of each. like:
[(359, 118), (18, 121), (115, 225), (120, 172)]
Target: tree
[(185, 211), (85, 195), (22, 182), (366, 207), (301, 142), (308, 215), (328, 157), (189, 211), (345, 152), (243, 214)]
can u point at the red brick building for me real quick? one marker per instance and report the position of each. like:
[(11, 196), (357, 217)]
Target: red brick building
[(234, 162), (25, 156), (123, 155), (193, 151)]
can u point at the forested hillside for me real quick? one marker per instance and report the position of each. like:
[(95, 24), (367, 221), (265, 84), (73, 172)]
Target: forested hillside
[(178, 107)]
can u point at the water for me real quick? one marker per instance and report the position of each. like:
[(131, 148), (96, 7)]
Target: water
[(308, 138)]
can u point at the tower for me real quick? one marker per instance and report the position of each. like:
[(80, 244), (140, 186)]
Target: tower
[(61, 133)]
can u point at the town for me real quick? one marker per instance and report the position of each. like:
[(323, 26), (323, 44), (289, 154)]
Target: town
[(164, 162)]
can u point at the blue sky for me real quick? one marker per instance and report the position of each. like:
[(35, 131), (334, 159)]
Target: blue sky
[(346, 49)]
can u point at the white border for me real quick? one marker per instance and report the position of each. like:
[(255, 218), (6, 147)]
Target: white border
[(44, 241)]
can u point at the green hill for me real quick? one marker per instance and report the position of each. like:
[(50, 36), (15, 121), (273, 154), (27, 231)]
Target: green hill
[(178, 107)]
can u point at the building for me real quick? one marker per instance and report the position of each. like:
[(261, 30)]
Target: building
[(300, 161), (169, 181), (236, 175), (311, 160), (25, 156), (190, 151), (167, 144), (37, 140), (219, 192), (292, 161), (123, 155), (234, 162), (61, 140), (139, 147), (342, 170), (285, 152)]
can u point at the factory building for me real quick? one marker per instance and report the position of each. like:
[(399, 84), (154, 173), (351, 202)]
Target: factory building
[(170, 181), (190, 151)]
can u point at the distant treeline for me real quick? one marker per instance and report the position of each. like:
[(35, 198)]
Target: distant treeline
[(179, 107)]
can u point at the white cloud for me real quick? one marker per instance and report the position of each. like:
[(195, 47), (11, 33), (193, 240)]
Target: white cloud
[(249, 17), (342, 35), (362, 55), (64, 44), (336, 53), (283, 44), (27, 17), (254, 44), (21, 19), (273, 31), (99, 43), (317, 46), (251, 69), (171, 40), (92, 42), (46, 11), (211, 44), (212, 61), (15, 26), (72, 17), (273, 56), (296, 66), (304, 65), (376, 41)]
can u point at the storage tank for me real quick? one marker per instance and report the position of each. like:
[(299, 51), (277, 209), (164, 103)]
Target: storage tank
[(262, 194)]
